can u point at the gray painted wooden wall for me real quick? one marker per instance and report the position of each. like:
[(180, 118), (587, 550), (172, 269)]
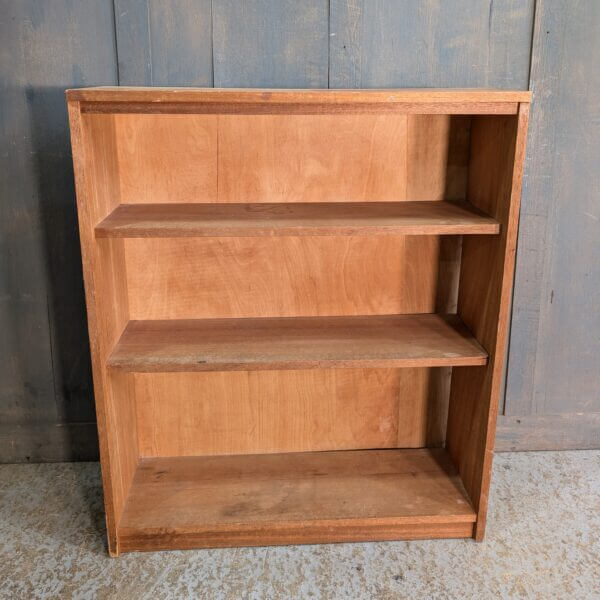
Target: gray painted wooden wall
[(553, 380)]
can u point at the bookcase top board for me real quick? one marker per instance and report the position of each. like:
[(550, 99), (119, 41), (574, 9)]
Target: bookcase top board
[(249, 101)]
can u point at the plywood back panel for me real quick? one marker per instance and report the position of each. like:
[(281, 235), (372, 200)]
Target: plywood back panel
[(437, 156), (284, 276), (281, 411), (289, 158), (312, 158), (167, 158)]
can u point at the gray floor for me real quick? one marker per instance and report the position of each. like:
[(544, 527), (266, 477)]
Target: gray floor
[(543, 541)]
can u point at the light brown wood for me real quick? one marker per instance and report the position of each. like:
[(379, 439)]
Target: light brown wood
[(292, 255), (304, 498), (437, 156), (301, 108), (175, 158), (255, 412), (369, 163), (232, 101), (267, 96), (273, 534), (295, 219), (295, 343), (103, 267), (279, 277), (497, 154)]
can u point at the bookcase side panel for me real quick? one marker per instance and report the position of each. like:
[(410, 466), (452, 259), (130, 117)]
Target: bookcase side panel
[(97, 179), (494, 186)]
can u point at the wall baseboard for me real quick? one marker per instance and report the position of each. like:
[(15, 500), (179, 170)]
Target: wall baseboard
[(48, 442), (569, 431)]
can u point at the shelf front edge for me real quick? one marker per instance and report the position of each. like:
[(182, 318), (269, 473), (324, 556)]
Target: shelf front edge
[(326, 532), (296, 343), (295, 219)]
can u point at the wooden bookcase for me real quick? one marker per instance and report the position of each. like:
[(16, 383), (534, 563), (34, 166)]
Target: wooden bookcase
[(297, 306)]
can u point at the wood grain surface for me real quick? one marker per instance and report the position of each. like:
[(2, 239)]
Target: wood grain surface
[(175, 158), (246, 220), (164, 43), (255, 412), (195, 278), (295, 343), (94, 160), (429, 44), (299, 96), (304, 498), (495, 177)]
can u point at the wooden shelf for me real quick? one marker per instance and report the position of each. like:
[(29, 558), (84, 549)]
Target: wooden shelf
[(424, 340), (327, 218), (194, 502)]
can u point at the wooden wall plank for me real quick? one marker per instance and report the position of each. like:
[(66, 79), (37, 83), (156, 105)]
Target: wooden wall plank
[(181, 42), (164, 43), (402, 43), (45, 369), (261, 43), (132, 33), (554, 359)]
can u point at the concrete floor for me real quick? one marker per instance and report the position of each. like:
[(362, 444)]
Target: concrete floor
[(543, 541)]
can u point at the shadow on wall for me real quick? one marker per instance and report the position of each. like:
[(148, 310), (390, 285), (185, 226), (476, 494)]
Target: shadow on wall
[(66, 300)]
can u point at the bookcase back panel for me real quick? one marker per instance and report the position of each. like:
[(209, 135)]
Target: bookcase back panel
[(167, 158), (282, 276), (312, 158), (283, 411), (163, 158)]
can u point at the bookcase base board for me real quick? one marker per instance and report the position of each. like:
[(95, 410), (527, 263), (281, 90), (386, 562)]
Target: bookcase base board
[(308, 497)]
